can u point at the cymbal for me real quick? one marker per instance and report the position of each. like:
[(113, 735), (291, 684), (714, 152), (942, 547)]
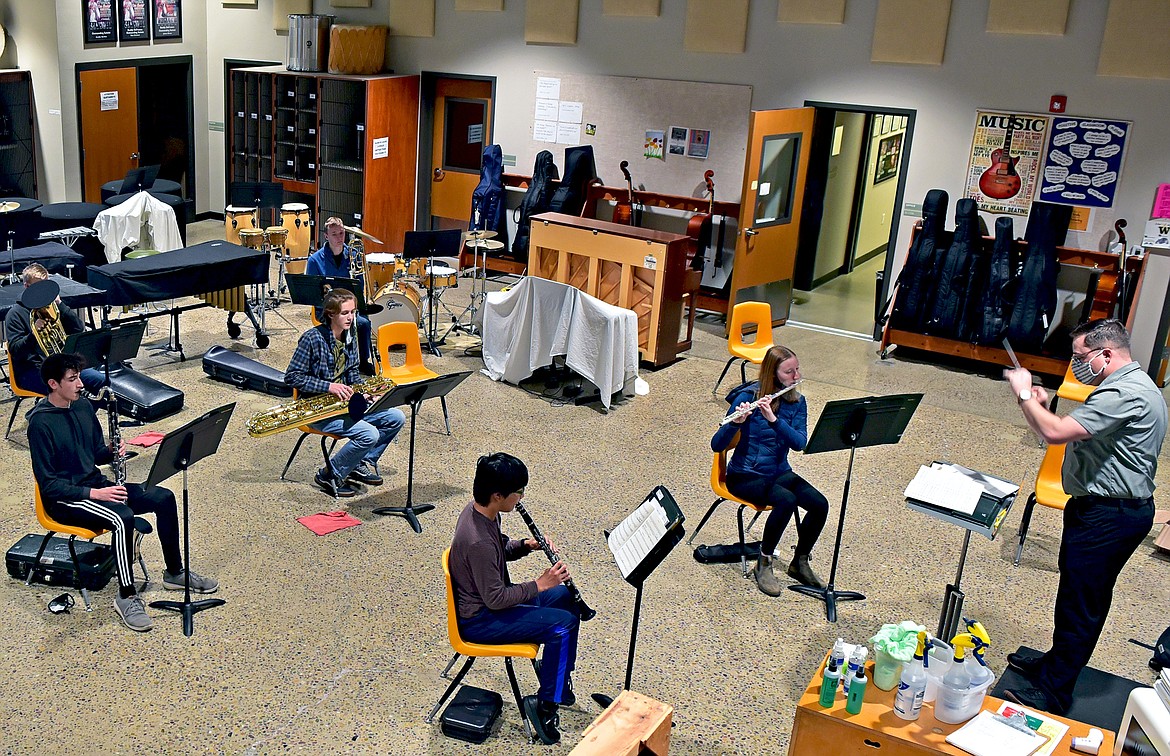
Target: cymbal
[(358, 232), (484, 234), (485, 244), (8, 207)]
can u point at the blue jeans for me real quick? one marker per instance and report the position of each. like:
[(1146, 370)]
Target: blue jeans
[(551, 620), (368, 438)]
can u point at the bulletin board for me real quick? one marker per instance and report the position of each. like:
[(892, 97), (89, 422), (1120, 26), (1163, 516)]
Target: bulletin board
[(624, 108)]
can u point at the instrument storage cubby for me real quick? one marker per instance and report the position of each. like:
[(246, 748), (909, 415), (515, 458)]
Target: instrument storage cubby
[(18, 172), (251, 141)]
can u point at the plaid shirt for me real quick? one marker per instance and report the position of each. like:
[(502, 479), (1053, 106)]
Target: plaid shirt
[(312, 368)]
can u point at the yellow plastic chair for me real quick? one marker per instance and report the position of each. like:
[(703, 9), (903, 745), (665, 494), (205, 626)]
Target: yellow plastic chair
[(474, 650), (19, 393), (306, 431), (1049, 492), (747, 314), (719, 486), (405, 334), (73, 531), (1071, 389)]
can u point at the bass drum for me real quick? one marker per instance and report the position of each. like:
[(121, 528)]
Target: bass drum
[(400, 302)]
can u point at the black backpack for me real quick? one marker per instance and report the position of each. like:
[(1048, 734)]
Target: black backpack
[(535, 201), (487, 201), (916, 281), (993, 306), (954, 273), (580, 169), (1035, 299)]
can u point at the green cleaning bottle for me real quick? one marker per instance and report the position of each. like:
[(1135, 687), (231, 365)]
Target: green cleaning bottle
[(832, 676), (856, 692)]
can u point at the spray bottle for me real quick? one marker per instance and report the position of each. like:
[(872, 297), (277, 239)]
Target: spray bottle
[(856, 691), (951, 706), (829, 682), (980, 673), (912, 686), (856, 663)]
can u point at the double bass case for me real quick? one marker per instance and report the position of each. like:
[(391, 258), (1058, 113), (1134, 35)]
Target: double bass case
[(242, 372)]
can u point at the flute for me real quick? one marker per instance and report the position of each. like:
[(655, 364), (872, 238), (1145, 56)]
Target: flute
[(584, 610), (758, 403)]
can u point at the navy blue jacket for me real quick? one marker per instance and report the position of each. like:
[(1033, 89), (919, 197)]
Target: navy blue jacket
[(763, 447)]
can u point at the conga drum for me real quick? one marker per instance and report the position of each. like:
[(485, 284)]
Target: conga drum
[(252, 238), (276, 236), (294, 216), (236, 218)]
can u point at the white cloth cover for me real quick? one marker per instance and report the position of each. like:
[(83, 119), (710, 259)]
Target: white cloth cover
[(142, 222), (524, 328)]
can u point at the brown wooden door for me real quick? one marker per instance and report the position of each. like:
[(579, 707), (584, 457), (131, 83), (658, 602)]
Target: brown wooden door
[(463, 119), (109, 126), (769, 220)]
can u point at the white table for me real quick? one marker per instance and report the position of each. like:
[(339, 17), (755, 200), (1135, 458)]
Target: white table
[(538, 319)]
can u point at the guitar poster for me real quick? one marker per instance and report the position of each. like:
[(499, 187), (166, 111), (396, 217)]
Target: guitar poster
[(1084, 157), (1007, 151)]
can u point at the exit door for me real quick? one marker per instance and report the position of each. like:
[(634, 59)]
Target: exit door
[(109, 126), (462, 128)]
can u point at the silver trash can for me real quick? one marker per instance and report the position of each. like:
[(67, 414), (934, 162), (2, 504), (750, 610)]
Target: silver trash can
[(308, 41)]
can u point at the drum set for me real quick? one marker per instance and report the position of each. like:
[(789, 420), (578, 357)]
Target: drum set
[(399, 288)]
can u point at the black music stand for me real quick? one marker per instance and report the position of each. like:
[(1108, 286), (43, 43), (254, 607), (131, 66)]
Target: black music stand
[(108, 345), (414, 394), (431, 244), (310, 290), (851, 424), (262, 195), (178, 451), (139, 179), (649, 562)]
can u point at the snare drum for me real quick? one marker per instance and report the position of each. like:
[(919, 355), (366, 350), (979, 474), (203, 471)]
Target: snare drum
[(276, 236), (294, 216), (400, 302), (441, 277), (252, 238), (236, 218), (383, 268)]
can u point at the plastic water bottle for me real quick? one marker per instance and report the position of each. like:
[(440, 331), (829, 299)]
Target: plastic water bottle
[(856, 693), (912, 685), (856, 664), (838, 654)]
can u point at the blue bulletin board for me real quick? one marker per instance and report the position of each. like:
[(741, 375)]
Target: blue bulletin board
[(1082, 162)]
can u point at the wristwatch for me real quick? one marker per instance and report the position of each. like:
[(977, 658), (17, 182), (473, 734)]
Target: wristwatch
[(1025, 395)]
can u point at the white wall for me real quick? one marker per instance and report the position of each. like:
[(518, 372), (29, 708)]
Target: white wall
[(873, 227), (833, 244)]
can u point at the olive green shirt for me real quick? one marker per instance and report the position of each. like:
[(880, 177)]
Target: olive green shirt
[(1126, 417)]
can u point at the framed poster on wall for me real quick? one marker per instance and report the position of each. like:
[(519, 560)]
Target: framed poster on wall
[(98, 23), (1083, 161), (889, 155), (1007, 150), (133, 21), (167, 18)]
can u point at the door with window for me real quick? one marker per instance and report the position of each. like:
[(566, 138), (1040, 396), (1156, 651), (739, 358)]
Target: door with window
[(462, 128)]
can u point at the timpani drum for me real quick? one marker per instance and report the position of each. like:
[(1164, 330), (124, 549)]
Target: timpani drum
[(383, 268), (252, 238), (440, 277), (400, 301), (294, 216), (236, 218), (276, 236)]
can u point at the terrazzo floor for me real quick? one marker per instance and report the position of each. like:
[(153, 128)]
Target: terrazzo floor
[(334, 644)]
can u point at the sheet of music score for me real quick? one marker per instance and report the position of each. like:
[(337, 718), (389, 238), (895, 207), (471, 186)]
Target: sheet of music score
[(636, 535)]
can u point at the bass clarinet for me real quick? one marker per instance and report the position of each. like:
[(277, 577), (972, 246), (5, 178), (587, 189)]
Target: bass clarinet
[(118, 463), (583, 609)]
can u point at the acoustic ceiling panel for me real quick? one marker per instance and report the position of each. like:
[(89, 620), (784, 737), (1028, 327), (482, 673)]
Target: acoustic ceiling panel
[(412, 18), (1135, 37), (479, 5), (716, 26), (642, 8), (911, 31), (811, 12), (551, 22)]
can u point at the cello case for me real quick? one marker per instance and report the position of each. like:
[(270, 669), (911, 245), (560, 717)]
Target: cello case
[(1035, 299), (954, 273), (535, 201), (569, 198), (487, 201), (992, 307), (916, 281)]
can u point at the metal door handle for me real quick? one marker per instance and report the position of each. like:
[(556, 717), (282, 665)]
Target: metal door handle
[(135, 156), (439, 174), (750, 232)]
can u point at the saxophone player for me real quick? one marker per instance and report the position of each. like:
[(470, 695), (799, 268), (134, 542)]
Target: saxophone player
[(492, 609), (36, 327), (326, 360), (66, 442), (336, 258)]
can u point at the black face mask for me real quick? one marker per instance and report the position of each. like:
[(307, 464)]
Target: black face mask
[(62, 604)]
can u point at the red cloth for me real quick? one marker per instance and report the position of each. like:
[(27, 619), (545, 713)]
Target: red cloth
[(148, 439), (324, 523)]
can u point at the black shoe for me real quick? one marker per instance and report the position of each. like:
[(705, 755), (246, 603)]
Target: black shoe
[(366, 475), (329, 485), (1027, 665), (568, 697), (367, 368), (544, 718), (1036, 699)]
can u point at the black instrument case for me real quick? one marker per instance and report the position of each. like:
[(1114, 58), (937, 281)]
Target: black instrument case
[(56, 567), (471, 714), (244, 373), (141, 397)]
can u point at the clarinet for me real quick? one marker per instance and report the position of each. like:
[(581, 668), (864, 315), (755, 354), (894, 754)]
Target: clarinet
[(118, 463), (586, 613)]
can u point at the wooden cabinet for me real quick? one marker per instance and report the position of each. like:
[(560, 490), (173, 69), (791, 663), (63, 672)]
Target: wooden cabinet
[(876, 729), (18, 151), (636, 268), (350, 143), (633, 725)]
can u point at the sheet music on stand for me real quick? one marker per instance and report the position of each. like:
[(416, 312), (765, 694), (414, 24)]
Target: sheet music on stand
[(636, 538)]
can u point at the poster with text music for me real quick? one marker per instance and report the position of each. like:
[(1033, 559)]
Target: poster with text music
[(100, 25), (1007, 151), (1083, 161)]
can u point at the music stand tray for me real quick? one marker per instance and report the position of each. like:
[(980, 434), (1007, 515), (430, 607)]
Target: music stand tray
[(139, 179), (414, 394), (852, 424), (179, 450)]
